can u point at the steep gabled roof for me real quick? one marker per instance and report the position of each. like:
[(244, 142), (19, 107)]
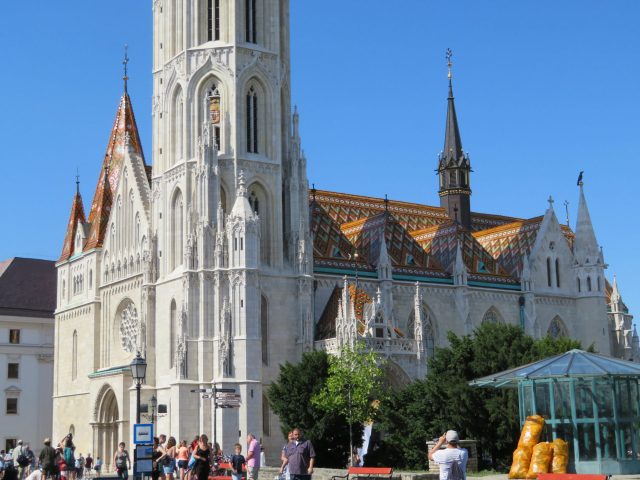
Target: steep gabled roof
[(76, 217), (125, 131)]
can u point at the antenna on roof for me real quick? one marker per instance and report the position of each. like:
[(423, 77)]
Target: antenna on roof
[(125, 62)]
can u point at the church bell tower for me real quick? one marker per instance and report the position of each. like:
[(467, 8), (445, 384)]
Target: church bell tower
[(230, 203), (454, 167)]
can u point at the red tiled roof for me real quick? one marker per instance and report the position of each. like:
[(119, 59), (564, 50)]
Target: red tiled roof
[(77, 215), (123, 127)]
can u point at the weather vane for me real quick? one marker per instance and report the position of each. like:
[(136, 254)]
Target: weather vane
[(125, 62), (449, 54)]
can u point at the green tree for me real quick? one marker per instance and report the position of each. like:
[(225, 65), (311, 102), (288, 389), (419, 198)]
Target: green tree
[(444, 399), (355, 381), (290, 398)]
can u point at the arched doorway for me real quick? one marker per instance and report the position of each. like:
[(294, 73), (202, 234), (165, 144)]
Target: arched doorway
[(106, 426)]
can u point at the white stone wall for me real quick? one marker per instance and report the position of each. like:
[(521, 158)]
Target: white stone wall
[(34, 387)]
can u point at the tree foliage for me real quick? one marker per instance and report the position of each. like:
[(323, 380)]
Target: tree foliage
[(354, 382), (290, 398), (444, 400)]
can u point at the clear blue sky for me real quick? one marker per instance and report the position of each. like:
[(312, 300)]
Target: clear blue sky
[(543, 89)]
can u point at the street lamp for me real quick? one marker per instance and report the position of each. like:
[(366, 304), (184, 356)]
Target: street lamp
[(138, 371)]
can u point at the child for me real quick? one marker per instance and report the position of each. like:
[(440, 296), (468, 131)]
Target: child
[(237, 462), (98, 466)]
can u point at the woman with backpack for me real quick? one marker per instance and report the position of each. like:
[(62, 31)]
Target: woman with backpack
[(122, 462)]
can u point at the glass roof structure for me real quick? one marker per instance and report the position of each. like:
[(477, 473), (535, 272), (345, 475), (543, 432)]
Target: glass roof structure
[(574, 363)]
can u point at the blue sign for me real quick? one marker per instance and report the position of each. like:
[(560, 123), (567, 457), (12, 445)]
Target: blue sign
[(143, 433)]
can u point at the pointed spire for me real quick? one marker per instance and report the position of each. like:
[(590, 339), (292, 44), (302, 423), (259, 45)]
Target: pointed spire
[(75, 218), (452, 143), (459, 269), (615, 293), (123, 127), (384, 262), (585, 244), (125, 63)]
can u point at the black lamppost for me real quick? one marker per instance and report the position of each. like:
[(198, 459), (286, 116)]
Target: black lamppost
[(138, 372)]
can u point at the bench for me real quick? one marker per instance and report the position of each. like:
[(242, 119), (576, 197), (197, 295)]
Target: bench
[(572, 476), (369, 473)]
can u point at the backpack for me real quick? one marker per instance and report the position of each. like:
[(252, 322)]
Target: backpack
[(23, 460), (456, 471), (68, 457)]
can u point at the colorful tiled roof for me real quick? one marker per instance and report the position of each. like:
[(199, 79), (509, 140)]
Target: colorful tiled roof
[(76, 216), (421, 240), (124, 129), (326, 326)]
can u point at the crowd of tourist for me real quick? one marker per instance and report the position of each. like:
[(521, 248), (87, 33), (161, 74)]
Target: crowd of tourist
[(171, 460)]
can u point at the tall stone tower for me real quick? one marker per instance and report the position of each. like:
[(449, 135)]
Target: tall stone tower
[(229, 217)]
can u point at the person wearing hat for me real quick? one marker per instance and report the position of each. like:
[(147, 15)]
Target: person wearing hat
[(48, 459), (452, 459)]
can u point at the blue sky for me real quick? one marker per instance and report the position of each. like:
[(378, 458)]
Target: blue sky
[(543, 90)]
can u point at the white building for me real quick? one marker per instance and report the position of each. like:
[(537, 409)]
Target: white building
[(218, 264), (27, 303)]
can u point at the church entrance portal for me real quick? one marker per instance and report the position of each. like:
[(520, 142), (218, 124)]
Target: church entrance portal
[(106, 427)]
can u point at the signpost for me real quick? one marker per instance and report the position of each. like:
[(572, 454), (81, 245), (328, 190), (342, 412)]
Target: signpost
[(220, 398), (143, 440)]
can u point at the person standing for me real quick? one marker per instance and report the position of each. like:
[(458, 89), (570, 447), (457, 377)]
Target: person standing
[(168, 459), (122, 462), (237, 462), (47, 459), (88, 463), (20, 460), (253, 457), (183, 458), (299, 456), (202, 456), (452, 460)]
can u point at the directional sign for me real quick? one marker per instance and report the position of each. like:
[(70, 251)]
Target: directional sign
[(228, 396)]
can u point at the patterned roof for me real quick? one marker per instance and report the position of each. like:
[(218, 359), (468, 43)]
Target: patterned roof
[(326, 326), (421, 240), (76, 216), (124, 128), (442, 242), (510, 242)]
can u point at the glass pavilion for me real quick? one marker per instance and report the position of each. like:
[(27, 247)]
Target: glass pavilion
[(589, 400)]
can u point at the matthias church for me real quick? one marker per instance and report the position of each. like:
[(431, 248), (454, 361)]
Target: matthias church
[(215, 260)]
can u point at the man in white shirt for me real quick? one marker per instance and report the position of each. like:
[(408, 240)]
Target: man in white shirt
[(452, 460)]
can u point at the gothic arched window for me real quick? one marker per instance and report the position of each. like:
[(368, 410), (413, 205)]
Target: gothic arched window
[(173, 319), (260, 205), (250, 21), (252, 121), (264, 329), (589, 284), (177, 215), (557, 328), (74, 356), (214, 114), (177, 127), (213, 20), (557, 273), (548, 271)]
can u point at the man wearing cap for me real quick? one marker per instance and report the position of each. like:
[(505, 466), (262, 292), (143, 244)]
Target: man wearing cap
[(48, 459), (452, 459)]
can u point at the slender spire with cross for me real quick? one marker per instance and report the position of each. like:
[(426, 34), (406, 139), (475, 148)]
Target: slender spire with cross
[(449, 55), (125, 63), (566, 207), (551, 201)]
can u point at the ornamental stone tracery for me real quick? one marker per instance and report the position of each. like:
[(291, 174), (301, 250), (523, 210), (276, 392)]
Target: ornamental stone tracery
[(129, 328)]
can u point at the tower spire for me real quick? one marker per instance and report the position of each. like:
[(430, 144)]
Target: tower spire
[(125, 62), (454, 167)]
